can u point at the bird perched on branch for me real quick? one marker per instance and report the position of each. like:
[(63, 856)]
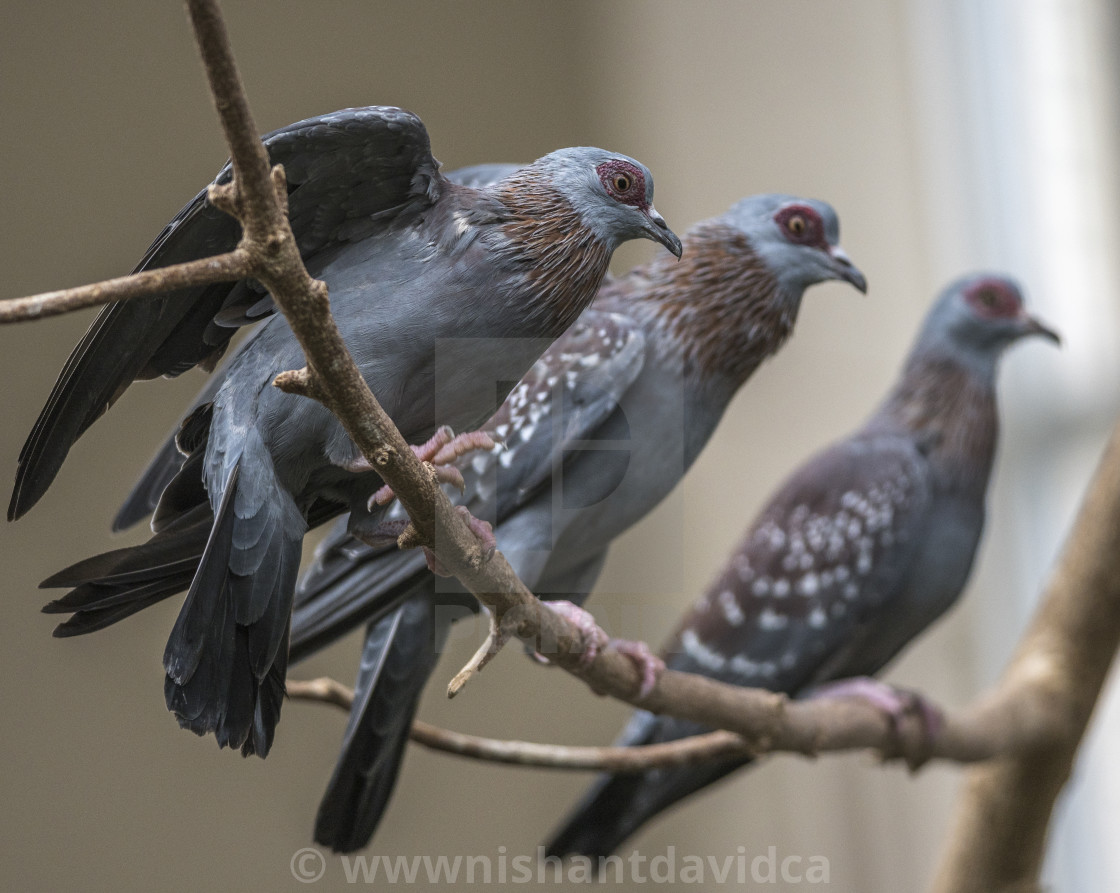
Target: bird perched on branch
[(599, 432), (445, 294), (856, 554)]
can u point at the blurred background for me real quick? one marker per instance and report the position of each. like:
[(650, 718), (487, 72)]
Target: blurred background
[(950, 136)]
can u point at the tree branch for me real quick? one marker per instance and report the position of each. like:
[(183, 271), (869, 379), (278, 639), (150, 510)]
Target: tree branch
[(1033, 721), (697, 749), (220, 268), (999, 832)]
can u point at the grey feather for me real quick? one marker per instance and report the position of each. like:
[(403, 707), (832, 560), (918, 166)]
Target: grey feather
[(445, 294), (857, 553), (601, 429)]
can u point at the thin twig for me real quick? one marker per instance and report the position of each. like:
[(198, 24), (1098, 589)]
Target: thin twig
[(686, 752), (806, 727), (220, 268)]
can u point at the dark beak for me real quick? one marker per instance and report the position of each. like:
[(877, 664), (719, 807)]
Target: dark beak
[(1031, 326), (844, 268), (658, 230)]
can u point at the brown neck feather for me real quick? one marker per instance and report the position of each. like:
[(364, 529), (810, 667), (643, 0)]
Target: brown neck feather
[(951, 412), (719, 305), (564, 261)]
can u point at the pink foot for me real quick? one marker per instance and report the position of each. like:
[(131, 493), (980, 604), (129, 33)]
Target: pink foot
[(594, 639), (440, 451), (649, 665), (896, 703), (384, 534), (482, 531)]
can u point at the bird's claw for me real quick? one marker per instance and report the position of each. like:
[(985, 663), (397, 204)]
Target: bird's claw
[(595, 641), (897, 704), (593, 638), (386, 533), (650, 666), (483, 532), (440, 451)]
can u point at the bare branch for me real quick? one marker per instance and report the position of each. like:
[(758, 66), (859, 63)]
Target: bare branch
[(999, 834), (808, 728), (1033, 722), (220, 268)]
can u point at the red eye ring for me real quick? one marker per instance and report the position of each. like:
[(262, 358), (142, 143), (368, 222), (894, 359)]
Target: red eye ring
[(623, 182)]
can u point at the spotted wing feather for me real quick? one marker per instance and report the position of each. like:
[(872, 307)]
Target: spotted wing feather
[(822, 560)]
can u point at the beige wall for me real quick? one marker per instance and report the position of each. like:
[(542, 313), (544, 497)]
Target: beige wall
[(106, 129)]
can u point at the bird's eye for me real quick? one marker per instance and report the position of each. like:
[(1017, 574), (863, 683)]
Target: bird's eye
[(796, 225), (988, 298), (621, 182)]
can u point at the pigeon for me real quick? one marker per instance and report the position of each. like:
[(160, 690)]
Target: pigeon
[(445, 294), (598, 433), (860, 550)]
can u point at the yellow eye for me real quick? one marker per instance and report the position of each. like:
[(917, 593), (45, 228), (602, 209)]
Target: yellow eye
[(796, 225), (988, 299), (621, 182)]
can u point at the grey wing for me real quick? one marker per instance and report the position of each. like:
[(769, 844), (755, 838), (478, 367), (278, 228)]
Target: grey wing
[(479, 176), (822, 562), (348, 173), (567, 394), (563, 399)]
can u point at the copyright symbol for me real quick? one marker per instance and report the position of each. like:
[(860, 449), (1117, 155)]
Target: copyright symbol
[(308, 865)]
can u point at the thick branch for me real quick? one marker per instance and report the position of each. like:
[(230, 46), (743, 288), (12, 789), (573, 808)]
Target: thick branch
[(220, 268), (999, 834), (770, 723), (1033, 721)]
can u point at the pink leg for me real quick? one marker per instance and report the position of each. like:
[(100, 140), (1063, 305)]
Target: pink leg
[(649, 664), (896, 703), (444, 447), (481, 529), (594, 638)]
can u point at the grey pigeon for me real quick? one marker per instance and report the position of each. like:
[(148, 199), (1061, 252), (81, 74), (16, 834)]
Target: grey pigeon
[(650, 368), (857, 553), (445, 294)]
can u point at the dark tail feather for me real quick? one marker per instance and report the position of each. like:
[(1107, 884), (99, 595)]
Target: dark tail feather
[(96, 373), (227, 654), (115, 585), (400, 653), (617, 805), (348, 584)]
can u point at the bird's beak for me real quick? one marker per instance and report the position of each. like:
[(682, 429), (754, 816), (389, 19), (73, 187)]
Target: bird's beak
[(658, 230), (844, 269), (1029, 325)]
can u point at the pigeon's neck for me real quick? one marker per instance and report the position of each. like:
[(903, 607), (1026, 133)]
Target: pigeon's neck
[(718, 312), (564, 262), (950, 412)]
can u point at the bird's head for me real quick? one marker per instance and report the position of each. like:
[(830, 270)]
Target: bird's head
[(613, 195), (798, 239), (979, 316)]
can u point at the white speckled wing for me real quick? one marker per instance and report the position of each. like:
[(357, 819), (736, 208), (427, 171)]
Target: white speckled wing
[(815, 571)]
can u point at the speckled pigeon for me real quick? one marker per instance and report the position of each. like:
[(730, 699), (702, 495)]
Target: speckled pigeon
[(649, 368), (446, 295), (859, 551)]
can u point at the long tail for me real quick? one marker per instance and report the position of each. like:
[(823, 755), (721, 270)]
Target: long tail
[(227, 654), (348, 584), (400, 653), (617, 805), (115, 585)]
